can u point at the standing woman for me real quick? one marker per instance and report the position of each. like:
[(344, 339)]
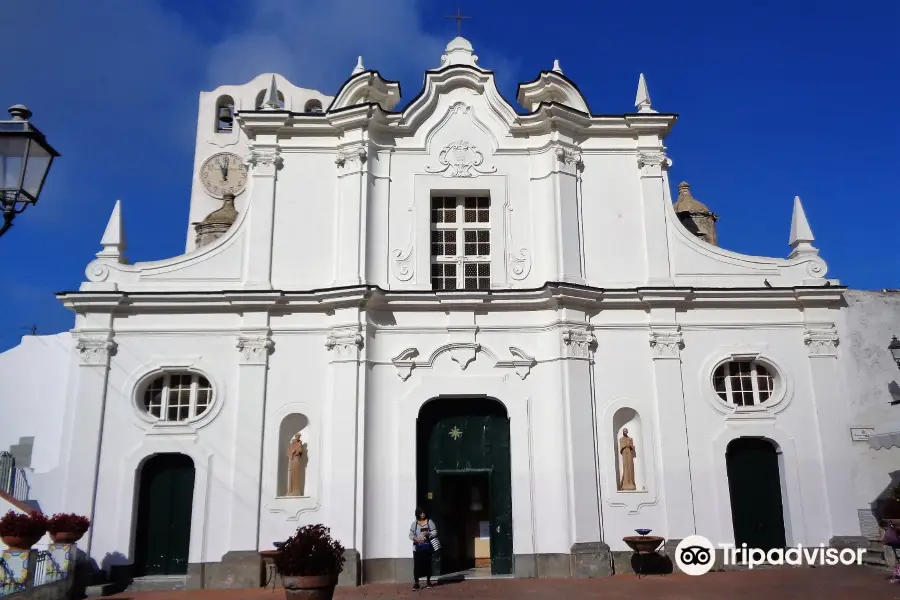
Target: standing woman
[(421, 533)]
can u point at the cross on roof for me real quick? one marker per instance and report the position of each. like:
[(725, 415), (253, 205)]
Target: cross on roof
[(459, 18)]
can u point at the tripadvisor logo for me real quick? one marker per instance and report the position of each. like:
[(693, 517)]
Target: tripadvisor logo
[(695, 555)]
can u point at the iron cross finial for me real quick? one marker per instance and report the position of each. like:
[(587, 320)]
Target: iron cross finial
[(459, 18)]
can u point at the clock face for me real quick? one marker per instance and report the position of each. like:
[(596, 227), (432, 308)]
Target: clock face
[(224, 173)]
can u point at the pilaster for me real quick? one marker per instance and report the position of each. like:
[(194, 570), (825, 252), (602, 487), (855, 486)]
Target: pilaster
[(666, 342), (253, 346), (350, 241), (652, 162), (265, 161), (377, 209), (93, 349), (345, 431), (821, 340), (566, 176), (577, 352)]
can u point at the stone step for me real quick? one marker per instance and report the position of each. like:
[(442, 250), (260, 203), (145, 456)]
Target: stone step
[(158, 583), (101, 590)]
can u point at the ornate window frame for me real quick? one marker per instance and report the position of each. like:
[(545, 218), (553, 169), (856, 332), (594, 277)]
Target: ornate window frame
[(783, 384), (157, 368)]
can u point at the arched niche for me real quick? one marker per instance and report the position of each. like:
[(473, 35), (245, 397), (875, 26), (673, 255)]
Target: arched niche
[(630, 419), (260, 98), (313, 105), (291, 425), (224, 117)]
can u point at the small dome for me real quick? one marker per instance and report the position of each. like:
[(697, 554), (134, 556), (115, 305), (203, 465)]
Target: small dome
[(686, 201), (459, 52), (223, 216), (459, 43)]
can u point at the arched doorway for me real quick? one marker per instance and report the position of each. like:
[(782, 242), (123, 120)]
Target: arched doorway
[(754, 484), (464, 481), (163, 526)]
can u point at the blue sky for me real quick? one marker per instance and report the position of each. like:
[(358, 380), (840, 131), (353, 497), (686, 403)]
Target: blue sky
[(776, 99)]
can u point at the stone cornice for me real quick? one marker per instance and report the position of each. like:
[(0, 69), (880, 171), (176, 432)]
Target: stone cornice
[(550, 296)]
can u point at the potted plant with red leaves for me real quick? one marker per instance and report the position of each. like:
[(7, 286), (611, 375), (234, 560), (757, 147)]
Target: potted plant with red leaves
[(309, 563), (21, 531), (67, 528)]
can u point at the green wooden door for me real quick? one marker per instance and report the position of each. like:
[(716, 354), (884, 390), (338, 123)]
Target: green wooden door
[(468, 435), (163, 531), (501, 502), (755, 487)]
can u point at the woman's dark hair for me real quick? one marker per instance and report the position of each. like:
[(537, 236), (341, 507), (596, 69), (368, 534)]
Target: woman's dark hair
[(419, 511)]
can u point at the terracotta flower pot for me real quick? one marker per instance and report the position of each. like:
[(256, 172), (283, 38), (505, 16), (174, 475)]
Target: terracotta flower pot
[(319, 587), (65, 537), (16, 542)]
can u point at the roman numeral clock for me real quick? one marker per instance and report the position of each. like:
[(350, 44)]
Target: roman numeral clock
[(224, 174)]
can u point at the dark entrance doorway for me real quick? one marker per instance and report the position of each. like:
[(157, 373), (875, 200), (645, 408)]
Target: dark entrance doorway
[(163, 529), (464, 481), (754, 484)]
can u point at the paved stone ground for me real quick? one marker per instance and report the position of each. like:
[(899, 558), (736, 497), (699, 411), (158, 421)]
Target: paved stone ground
[(850, 583)]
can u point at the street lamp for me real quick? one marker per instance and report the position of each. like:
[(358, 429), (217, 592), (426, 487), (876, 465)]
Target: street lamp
[(894, 347), (25, 159)]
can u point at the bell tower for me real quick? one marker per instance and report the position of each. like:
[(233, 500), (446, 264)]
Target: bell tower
[(696, 216)]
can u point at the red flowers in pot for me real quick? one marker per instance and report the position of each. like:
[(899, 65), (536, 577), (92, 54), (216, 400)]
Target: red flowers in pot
[(309, 563), (67, 528), (21, 531)]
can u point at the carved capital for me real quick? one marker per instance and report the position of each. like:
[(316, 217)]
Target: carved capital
[(344, 343), (349, 159), (578, 343), (460, 159), (569, 160), (666, 343), (254, 349), (265, 160), (95, 350), (652, 163), (821, 341)]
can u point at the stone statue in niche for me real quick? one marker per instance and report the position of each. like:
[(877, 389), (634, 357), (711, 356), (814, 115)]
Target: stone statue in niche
[(626, 449), (296, 473)]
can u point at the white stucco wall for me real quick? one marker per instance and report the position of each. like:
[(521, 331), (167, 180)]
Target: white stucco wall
[(34, 383), (871, 378)]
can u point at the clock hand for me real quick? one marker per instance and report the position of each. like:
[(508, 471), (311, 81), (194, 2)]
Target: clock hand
[(224, 169)]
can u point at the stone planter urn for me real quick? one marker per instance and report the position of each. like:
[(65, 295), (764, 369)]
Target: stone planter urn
[(66, 537), (16, 542), (643, 544), (316, 587)]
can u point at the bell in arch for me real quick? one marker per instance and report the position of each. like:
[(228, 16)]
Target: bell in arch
[(225, 116)]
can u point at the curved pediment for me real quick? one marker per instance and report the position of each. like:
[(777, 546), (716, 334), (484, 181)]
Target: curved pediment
[(365, 87), (206, 268), (698, 263), (551, 86), (444, 81)]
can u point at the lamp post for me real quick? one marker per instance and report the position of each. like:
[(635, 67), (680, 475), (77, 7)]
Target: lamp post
[(894, 347), (25, 159)]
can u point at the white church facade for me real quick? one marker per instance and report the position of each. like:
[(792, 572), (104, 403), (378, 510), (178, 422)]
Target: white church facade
[(461, 304)]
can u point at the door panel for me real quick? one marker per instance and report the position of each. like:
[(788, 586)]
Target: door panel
[(163, 526), (501, 505), (754, 484)]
